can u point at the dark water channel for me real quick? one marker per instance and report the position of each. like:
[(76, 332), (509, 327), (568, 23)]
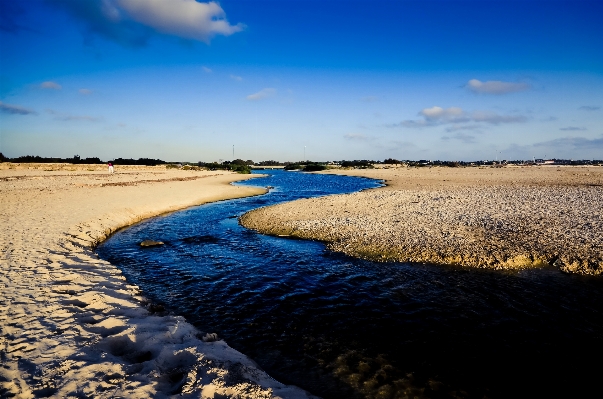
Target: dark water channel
[(340, 327)]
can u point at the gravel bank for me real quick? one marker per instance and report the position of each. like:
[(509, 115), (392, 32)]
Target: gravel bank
[(504, 218)]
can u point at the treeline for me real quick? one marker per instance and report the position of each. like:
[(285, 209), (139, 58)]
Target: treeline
[(243, 166), (139, 161), (79, 160), (306, 166), (238, 165), (38, 159)]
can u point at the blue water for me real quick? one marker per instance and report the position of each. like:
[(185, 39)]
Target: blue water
[(341, 327)]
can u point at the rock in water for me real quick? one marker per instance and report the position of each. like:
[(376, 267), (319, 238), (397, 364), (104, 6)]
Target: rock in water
[(150, 243), (211, 337)]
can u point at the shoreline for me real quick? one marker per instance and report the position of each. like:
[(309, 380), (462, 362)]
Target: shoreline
[(70, 324), (495, 218)]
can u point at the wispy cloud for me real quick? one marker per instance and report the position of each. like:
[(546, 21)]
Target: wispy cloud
[(370, 99), (402, 145), (237, 78), (436, 116), (465, 138), (262, 94), (15, 109), (565, 147), (496, 119), (50, 85), (589, 108), (68, 117), (85, 92), (456, 128), (131, 22), (206, 69), (440, 114), (579, 143), (357, 137), (495, 86), (572, 128)]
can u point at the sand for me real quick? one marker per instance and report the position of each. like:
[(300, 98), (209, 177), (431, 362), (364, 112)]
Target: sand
[(497, 218), (71, 326)]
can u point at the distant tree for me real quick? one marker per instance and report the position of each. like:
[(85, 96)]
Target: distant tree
[(244, 169), (37, 159), (391, 161), (364, 164), (269, 163), (3, 158), (214, 165), (313, 167), (250, 162), (140, 161)]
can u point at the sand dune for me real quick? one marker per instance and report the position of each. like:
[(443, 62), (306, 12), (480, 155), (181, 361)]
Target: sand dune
[(71, 326)]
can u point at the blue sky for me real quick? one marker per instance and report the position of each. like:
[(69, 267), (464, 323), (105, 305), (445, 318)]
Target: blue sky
[(186, 80)]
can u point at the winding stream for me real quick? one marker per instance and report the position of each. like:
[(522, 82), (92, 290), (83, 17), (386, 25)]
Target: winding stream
[(341, 327)]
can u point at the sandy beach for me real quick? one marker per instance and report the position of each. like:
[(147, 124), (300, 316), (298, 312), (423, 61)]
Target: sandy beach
[(71, 326), (498, 218)]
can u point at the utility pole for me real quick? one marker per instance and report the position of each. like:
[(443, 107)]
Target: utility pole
[(233, 152)]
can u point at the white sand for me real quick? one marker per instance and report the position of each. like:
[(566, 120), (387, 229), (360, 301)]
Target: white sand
[(70, 325)]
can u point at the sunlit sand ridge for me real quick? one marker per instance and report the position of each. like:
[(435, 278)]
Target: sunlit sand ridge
[(500, 218), (71, 326)]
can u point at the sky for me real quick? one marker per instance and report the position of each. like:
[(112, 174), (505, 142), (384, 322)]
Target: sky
[(186, 80)]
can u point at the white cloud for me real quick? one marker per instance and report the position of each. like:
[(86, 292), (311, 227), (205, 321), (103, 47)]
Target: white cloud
[(589, 108), (496, 87), (260, 95), (436, 116), (50, 85), (206, 69), (237, 78), (132, 22), (85, 92), (440, 113), (184, 18), (15, 109)]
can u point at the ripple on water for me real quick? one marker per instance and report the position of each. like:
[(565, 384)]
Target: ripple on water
[(345, 328)]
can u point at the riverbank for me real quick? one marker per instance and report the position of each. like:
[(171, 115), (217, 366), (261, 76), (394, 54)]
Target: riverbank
[(498, 218), (71, 326)]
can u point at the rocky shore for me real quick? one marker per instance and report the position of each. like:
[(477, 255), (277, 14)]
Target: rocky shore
[(499, 218)]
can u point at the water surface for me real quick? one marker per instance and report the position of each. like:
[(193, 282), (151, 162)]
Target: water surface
[(341, 327)]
